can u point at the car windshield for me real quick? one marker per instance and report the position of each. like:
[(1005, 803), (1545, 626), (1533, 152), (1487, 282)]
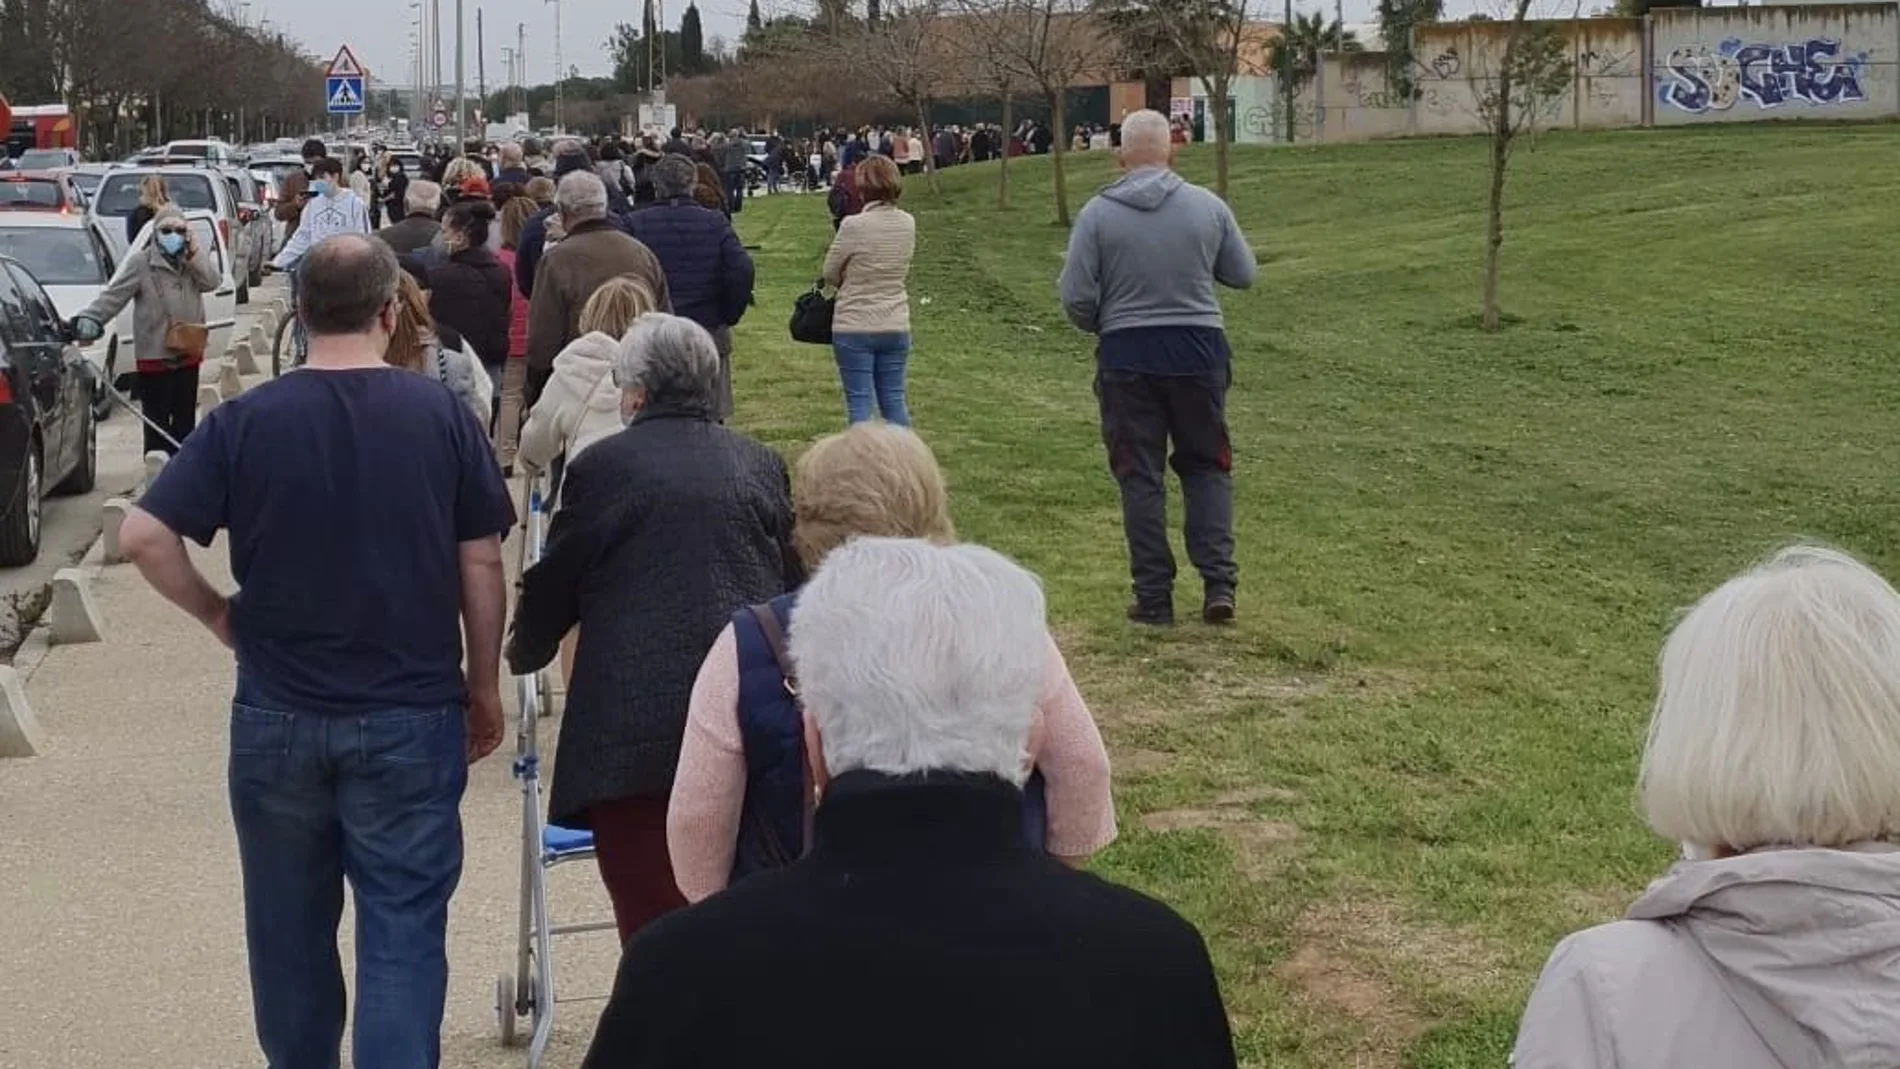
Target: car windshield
[(279, 169), (57, 256), (29, 193), (119, 193), (35, 159), (87, 182), (187, 149)]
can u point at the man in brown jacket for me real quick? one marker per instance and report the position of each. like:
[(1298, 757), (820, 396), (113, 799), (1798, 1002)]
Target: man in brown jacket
[(289, 210), (589, 251)]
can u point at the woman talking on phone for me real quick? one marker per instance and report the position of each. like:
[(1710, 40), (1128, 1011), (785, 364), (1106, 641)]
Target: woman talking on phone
[(165, 284)]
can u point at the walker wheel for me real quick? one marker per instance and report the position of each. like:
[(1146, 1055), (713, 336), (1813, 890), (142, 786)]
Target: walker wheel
[(505, 1011)]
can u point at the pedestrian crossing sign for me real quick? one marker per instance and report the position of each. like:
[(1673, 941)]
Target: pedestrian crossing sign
[(344, 95)]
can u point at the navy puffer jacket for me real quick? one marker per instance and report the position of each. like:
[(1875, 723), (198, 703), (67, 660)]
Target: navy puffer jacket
[(707, 270)]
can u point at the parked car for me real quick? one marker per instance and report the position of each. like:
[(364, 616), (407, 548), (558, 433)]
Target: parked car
[(258, 244), (189, 187), (47, 434), (40, 191), (45, 159), (211, 151), (87, 176), (72, 257)]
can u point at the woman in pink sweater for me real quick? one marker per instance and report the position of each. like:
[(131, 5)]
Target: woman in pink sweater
[(878, 480)]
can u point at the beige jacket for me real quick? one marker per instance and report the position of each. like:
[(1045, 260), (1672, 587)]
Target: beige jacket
[(161, 292), (1777, 959), (579, 406), (869, 262)]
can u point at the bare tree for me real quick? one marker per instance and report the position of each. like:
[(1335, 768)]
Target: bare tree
[(1051, 45), (1536, 67), (904, 55), (976, 37), (1205, 37)]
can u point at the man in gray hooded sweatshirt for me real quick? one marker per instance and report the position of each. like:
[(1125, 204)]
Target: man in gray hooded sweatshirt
[(1143, 261)]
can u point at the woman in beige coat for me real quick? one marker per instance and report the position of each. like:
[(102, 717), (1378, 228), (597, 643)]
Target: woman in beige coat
[(1774, 758), (869, 262)]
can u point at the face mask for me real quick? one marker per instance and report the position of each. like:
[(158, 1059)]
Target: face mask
[(171, 244), (323, 187)]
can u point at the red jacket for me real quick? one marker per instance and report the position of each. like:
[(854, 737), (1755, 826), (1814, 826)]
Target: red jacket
[(517, 311)]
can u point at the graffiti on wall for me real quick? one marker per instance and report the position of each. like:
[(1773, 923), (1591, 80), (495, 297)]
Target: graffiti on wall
[(1809, 72)]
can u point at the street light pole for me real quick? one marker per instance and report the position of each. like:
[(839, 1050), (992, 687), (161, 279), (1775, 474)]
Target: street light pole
[(461, 101), (560, 74)]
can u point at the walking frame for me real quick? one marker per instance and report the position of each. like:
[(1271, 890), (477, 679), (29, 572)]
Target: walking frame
[(529, 990)]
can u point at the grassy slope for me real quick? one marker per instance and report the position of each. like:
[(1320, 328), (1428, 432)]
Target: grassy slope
[(1409, 770)]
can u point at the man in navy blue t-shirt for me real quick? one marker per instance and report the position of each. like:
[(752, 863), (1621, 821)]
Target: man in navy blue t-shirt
[(364, 513)]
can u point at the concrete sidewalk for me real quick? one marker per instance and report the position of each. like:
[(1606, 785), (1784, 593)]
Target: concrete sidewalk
[(120, 911)]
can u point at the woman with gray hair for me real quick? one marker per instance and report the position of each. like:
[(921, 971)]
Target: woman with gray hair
[(664, 530), (165, 283), (1774, 760)]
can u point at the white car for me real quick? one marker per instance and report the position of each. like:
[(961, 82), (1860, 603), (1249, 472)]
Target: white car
[(188, 188), (72, 258)]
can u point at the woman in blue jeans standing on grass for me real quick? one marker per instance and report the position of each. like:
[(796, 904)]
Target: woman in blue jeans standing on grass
[(869, 262)]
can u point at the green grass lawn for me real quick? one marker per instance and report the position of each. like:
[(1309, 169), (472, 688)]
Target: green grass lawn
[(1409, 769)]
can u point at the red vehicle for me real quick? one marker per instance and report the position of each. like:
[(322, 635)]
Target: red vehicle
[(45, 191), (46, 126)]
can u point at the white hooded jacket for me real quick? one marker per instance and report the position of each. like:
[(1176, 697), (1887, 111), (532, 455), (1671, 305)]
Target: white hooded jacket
[(1777, 959), (579, 406)]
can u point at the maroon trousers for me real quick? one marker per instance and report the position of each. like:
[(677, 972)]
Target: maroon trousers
[(630, 846)]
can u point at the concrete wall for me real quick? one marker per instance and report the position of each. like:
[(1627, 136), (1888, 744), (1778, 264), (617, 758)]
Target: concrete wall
[(1823, 61), (1681, 65)]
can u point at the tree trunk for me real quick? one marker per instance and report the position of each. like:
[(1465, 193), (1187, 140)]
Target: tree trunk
[(1503, 130), (1002, 180), (930, 146), (1218, 90), (1056, 151), (1494, 228)]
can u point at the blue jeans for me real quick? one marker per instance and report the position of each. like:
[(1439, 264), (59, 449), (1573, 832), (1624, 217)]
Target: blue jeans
[(871, 366), (374, 799)]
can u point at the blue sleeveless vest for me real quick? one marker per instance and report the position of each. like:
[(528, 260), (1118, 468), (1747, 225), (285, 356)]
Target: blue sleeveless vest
[(772, 729)]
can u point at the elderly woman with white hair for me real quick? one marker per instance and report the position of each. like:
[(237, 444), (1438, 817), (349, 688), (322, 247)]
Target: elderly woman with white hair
[(1774, 759), (665, 529), (920, 921)]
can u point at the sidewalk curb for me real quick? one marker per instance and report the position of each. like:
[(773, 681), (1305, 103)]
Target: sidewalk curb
[(38, 644)]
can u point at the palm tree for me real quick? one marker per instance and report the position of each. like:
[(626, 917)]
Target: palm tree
[(1307, 36)]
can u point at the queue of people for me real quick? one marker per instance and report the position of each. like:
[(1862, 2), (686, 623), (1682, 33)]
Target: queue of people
[(814, 735)]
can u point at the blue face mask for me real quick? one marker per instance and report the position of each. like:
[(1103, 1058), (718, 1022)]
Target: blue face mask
[(323, 187), (171, 244)]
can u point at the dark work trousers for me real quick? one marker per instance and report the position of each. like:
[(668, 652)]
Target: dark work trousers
[(630, 846), (170, 399), (1142, 415)]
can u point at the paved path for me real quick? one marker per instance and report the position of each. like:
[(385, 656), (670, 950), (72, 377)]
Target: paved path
[(119, 904), (70, 524)]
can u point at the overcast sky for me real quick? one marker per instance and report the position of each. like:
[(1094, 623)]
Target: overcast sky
[(378, 31)]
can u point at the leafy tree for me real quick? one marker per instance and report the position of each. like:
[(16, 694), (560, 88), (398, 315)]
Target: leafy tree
[(1200, 38), (692, 42), (1306, 38), (1396, 21), (1537, 67), (752, 20)]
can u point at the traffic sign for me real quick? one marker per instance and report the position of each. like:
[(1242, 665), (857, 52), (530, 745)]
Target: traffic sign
[(439, 119), (344, 95), (345, 65)]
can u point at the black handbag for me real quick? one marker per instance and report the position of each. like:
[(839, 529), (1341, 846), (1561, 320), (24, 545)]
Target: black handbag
[(811, 315)]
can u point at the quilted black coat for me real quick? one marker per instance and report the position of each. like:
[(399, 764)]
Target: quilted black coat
[(664, 530), (707, 269)]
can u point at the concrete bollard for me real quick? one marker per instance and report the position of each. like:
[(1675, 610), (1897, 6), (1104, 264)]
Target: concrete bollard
[(208, 398), (244, 357), (113, 513), (155, 463), (229, 384), (280, 307), (19, 731), (74, 616), (267, 320), (259, 338)]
